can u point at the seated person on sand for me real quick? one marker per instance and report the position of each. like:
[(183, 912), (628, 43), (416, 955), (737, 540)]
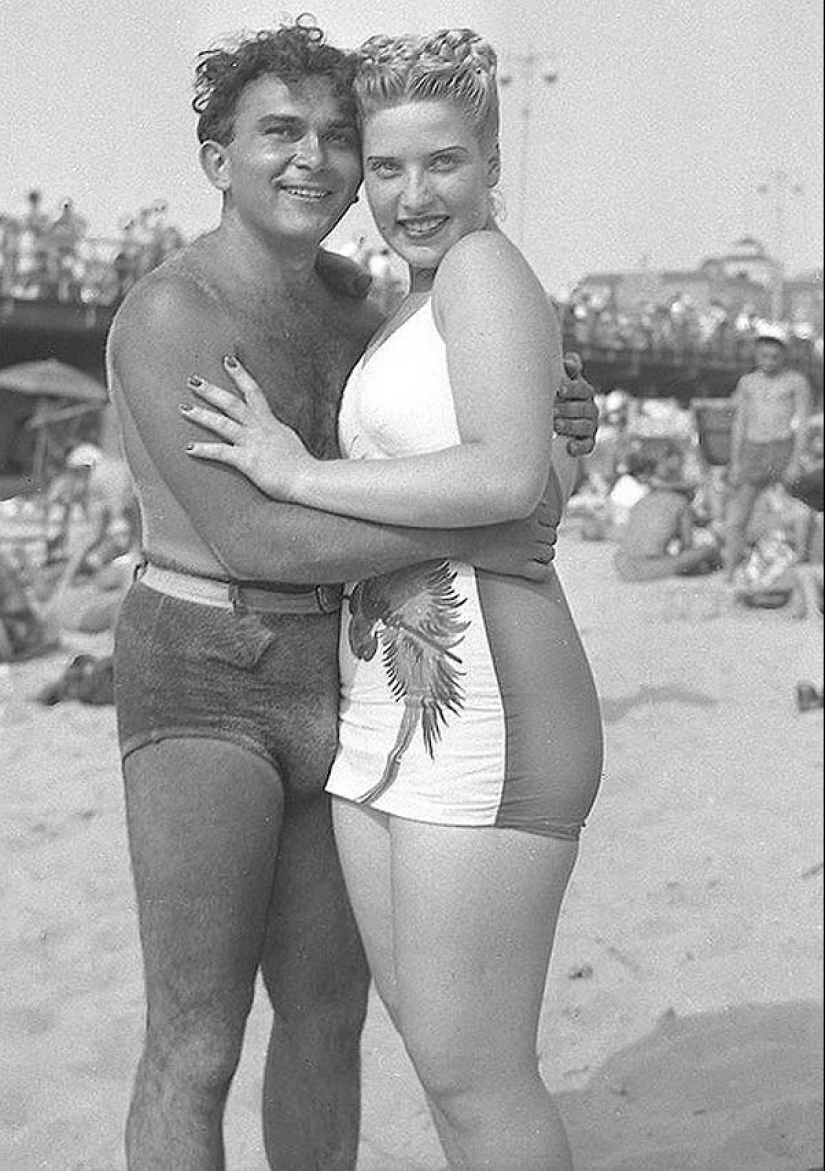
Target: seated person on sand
[(108, 504), (23, 630), (658, 539), (604, 513), (784, 556)]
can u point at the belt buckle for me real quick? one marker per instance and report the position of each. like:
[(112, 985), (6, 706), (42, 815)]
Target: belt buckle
[(328, 598), (239, 606)]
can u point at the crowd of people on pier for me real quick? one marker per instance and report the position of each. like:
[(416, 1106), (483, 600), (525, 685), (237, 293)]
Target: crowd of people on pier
[(680, 327), (48, 254)]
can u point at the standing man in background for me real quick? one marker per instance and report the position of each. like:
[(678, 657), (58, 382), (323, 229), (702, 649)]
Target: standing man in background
[(771, 404)]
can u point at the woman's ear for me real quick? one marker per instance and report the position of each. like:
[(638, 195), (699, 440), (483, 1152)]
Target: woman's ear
[(494, 166), (214, 159)]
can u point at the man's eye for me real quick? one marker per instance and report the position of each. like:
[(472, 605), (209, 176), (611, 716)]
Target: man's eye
[(342, 137), (444, 162)]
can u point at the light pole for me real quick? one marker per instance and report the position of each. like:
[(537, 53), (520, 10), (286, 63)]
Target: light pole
[(780, 185), (523, 71)]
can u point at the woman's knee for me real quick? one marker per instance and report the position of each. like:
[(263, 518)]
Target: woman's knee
[(451, 1066), (443, 1070)]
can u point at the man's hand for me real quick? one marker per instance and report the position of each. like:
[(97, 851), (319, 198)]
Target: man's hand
[(575, 414), (521, 548), (343, 275)]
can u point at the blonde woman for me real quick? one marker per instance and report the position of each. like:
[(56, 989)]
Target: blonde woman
[(470, 744)]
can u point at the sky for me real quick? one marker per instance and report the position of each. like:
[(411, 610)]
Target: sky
[(649, 147)]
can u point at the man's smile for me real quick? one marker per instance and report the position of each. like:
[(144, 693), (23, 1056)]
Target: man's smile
[(302, 191)]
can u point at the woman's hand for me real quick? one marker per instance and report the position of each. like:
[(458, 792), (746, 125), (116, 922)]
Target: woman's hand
[(269, 453)]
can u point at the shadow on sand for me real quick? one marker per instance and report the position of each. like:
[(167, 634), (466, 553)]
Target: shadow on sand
[(614, 710), (737, 1090)]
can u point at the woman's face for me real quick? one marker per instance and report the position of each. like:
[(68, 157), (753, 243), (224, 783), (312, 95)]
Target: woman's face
[(427, 177)]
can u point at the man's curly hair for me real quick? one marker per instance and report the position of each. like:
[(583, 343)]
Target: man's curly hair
[(291, 53)]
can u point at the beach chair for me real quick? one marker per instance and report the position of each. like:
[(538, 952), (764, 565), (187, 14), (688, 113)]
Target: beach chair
[(714, 420)]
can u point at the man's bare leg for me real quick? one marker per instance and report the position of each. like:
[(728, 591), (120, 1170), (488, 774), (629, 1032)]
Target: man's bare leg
[(739, 511), (317, 979), (204, 818)]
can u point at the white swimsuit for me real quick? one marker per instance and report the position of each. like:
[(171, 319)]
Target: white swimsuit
[(449, 683)]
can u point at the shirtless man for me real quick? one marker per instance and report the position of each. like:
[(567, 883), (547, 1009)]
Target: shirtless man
[(662, 518), (771, 406), (226, 660)]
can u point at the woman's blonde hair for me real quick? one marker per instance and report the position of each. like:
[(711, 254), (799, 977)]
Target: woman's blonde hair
[(454, 65)]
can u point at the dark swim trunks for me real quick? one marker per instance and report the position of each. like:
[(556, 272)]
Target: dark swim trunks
[(765, 463), (266, 682)]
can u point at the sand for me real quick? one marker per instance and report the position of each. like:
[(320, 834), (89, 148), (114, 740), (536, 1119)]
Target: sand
[(682, 1025)]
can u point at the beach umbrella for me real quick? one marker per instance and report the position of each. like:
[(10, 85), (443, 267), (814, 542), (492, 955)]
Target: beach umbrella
[(52, 379), (45, 382)]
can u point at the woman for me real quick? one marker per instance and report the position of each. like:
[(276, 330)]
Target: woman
[(470, 742)]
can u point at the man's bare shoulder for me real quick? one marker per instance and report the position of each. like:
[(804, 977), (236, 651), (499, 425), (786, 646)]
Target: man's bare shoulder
[(169, 298), (170, 321), (362, 319)]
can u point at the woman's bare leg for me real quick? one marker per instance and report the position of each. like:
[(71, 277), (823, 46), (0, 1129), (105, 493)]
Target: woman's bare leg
[(474, 916)]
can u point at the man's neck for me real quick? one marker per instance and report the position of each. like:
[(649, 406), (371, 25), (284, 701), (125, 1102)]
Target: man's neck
[(268, 267)]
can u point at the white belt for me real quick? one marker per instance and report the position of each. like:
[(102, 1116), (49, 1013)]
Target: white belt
[(238, 596)]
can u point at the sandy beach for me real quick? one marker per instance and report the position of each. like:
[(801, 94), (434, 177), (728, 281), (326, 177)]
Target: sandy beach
[(682, 1024)]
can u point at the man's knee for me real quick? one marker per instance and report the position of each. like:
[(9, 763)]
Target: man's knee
[(199, 1055), (331, 1015)]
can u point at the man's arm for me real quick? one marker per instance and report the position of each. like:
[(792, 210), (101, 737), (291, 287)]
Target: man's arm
[(737, 430), (575, 414), (802, 409), (163, 332)]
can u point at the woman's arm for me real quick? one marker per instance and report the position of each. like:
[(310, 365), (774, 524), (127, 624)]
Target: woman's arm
[(167, 327), (504, 359)]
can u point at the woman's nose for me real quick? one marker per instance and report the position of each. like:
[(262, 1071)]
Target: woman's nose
[(417, 192)]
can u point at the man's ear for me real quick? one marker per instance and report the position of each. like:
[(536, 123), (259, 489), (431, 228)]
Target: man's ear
[(494, 166), (214, 159)]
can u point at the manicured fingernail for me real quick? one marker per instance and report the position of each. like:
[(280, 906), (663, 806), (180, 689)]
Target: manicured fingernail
[(194, 381), (185, 406), (229, 362)]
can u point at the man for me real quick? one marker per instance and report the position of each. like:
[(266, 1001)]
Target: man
[(658, 538), (226, 664), (771, 404)]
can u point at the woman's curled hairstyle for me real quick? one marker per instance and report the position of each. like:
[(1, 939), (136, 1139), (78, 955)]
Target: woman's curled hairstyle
[(453, 64)]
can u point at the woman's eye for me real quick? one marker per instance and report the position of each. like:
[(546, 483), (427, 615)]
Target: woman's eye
[(384, 168)]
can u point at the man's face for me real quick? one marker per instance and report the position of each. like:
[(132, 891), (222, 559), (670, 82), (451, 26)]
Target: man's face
[(770, 357), (294, 164)]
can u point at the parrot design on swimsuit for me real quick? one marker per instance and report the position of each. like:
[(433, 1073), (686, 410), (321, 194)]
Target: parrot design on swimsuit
[(415, 615)]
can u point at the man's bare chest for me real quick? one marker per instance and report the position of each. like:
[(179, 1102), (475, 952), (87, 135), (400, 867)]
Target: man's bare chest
[(301, 364)]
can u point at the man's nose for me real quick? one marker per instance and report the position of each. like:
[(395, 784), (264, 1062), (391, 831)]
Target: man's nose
[(310, 151)]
